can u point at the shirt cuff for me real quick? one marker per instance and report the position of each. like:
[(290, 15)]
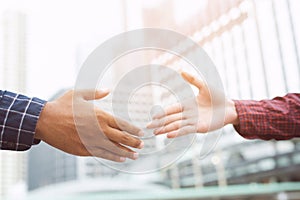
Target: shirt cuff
[(246, 118), (18, 118)]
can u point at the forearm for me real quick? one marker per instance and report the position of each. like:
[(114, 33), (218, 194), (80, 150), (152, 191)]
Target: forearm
[(278, 118), (18, 118), (231, 114)]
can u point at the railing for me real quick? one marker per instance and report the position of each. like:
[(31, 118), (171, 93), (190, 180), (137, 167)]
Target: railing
[(256, 191)]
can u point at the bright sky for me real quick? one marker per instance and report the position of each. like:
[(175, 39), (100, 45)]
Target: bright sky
[(56, 30), (61, 34)]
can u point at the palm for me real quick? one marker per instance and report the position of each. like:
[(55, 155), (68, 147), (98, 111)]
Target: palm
[(202, 114)]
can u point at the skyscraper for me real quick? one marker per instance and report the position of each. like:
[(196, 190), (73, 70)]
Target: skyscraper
[(12, 77)]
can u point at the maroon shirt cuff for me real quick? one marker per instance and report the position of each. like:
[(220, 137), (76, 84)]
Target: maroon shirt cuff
[(246, 124), (278, 118)]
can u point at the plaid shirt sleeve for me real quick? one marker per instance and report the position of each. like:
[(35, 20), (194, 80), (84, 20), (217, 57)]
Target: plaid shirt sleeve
[(278, 118), (18, 117)]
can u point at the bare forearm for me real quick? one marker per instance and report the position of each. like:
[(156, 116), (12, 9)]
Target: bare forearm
[(231, 115)]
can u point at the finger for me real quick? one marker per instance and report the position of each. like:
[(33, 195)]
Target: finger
[(124, 138), (123, 147), (165, 120), (123, 125), (132, 154), (120, 150), (127, 152), (171, 127), (182, 131), (92, 94), (101, 153), (169, 110), (193, 80)]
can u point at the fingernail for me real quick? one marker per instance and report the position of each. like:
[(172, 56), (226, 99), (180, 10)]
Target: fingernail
[(135, 155), (141, 145), (122, 159)]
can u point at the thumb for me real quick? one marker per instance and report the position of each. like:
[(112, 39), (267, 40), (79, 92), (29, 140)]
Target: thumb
[(93, 94), (192, 80)]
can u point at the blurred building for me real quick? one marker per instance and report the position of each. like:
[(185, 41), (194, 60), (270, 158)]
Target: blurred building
[(52, 168), (12, 77), (13, 51), (255, 46)]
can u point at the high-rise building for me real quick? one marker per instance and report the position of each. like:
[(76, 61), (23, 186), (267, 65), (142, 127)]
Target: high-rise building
[(254, 45), (12, 77), (13, 51)]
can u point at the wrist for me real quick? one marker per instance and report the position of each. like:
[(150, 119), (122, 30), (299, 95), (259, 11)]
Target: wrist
[(42, 122), (231, 113)]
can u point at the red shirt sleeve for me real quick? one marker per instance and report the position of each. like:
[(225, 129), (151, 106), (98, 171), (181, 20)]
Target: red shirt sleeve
[(278, 118)]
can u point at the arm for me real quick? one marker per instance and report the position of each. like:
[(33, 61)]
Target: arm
[(268, 119), (278, 118), (18, 117), (55, 124)]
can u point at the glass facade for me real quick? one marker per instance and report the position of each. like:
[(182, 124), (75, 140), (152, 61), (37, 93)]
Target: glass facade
[(254, 45)]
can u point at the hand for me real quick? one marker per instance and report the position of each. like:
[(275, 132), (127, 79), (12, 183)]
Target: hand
[(95, 133), (180, 119)]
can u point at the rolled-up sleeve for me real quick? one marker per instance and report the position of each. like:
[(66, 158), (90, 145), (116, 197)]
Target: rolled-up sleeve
[(18, 118), (278, 118)]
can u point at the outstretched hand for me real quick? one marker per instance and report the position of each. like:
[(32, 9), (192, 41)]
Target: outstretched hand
[(87, 130), (184, 118)]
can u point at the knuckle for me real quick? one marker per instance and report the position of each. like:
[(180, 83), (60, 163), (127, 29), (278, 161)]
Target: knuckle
[(116, 150), (104, 130), (126, 137)]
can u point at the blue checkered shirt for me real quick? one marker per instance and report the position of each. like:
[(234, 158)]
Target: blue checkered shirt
[(18, 117)]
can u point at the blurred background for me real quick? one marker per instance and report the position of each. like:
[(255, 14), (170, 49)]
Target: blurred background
[(254, 44)]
